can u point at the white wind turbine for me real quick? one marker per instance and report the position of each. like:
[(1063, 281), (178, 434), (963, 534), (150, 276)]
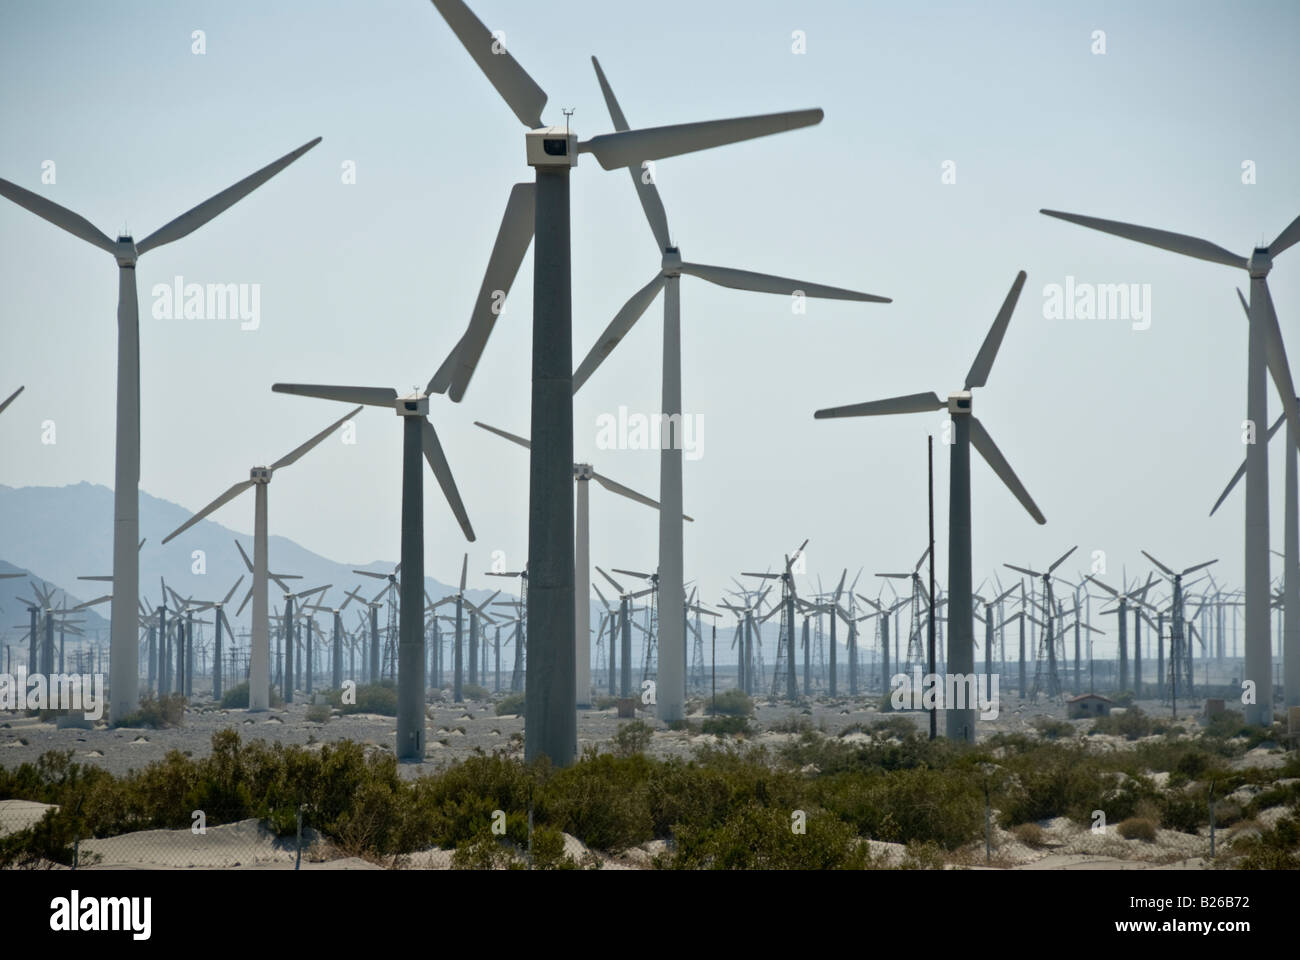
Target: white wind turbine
[(583, 473), (259, 670), (1265, 352), (124, 628), (542, 209), (671, 691)]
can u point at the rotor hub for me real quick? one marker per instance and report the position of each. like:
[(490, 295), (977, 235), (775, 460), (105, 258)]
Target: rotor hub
[(415, 405), (124, 251), (959, 402), (672, 262)]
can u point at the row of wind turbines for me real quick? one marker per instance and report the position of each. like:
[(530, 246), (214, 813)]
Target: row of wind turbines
[(537, 212)]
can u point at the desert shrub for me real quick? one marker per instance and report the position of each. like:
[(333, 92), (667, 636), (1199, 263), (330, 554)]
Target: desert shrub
[(475, 692), (1132, 724), (512, 705), (1124, 699), (633, 737), (378, 698), (759, 837), (1050, 729), (899, 727), (158, 713), (1277, 848), (603, 800), (684, 725), (725, 726), (732, 703), (318, 713), (606, 703), (548, 850), (1057, 781), (911, 805), (1225, 725), (236, 698), (1030, 834), (1184, 810), (460, 802), (792, 723), (486, 853), (1137, 828), (1274, 796), (922, 856)]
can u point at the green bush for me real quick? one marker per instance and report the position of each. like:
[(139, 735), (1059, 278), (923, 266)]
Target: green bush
[(512, 705), (725, 726), (1050, 729), (1137, 828), (633, 737), (474, 692), (318, 713), (1132, 724), (378, 698), (731, 703), (1277, 848), (159, 713), (236, 698), (902, 806), (760, 837)]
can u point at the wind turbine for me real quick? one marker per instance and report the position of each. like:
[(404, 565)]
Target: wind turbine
[(419, 439), (583, 473), (1122, 599), (259, 478), (1290, 554), (124, 628), (336, 659), (1176, 630), (219, 619), (671, 691), (1049, 610), (966, 431), (543, 209), (1265, 352)]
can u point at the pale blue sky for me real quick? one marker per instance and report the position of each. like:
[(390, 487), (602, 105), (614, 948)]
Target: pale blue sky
[(1123, 437)]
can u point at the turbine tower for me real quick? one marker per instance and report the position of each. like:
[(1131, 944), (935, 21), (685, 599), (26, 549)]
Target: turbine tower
[(543, 208), (967, 431), (419, 439), (1265, 352), (124, 661), (259, 669)]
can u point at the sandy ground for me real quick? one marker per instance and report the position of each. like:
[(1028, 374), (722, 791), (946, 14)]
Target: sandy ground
[(457, 730)]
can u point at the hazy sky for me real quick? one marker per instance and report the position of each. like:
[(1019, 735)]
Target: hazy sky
[(1124, 437)]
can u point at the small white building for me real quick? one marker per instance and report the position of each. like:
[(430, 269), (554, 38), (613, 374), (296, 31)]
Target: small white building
[(1088, 705)]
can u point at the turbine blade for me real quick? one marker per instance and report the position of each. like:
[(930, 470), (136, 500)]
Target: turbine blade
[(981, 441), (191, 220), (1167, 571), (502, 433), (438, 464), (370, 396), (1177, 242), (646, 190), (520, 92), (74, 223), (232, 590), (618, 329), (513, 238), (298, 451), (1286, 238), (633, 147), (248, 563), (464, 569), (912, 403), (1063, 558), (221, 501), (979, 370), (1278, 367), (248, 596), (766, 283), (10, 398)]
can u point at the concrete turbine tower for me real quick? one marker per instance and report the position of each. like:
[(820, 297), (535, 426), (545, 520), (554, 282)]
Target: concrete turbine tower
[(419, 439), (124, 629), (967, 432), (259, 478), (543, 208), (1265, 353)]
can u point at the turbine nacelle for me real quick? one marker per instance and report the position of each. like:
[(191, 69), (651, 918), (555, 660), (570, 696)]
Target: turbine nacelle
[(672, 262), (124, 252), (551, 147), (415, 405), (583, 471), (260, 474), (1260, 263), (959, 402)]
